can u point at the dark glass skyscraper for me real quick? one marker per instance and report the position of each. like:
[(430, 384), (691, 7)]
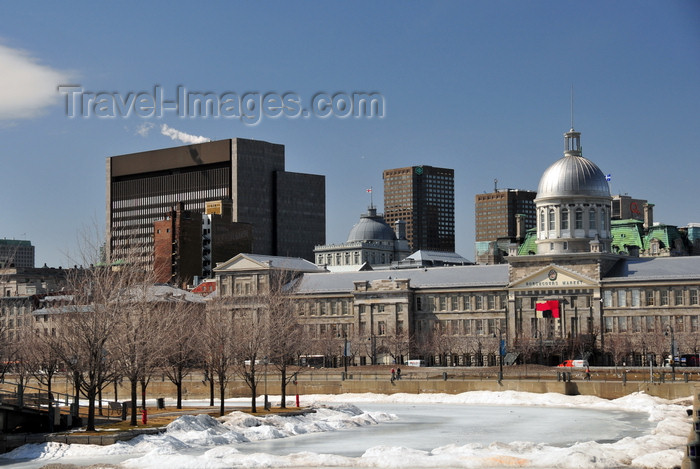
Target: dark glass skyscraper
[(424, 198), (144, 187)]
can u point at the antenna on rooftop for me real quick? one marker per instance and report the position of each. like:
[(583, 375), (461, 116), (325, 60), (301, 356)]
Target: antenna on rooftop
[(495, 185)]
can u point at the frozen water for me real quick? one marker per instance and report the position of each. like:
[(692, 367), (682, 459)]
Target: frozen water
[(472, 430)]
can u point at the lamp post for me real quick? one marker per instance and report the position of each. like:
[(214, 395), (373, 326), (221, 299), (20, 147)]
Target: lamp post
[(267, 406), (500, 354), (673, 352)]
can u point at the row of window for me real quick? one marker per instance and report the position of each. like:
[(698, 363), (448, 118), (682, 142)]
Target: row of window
[(636, 297), (468, 302), (549, 218), (661, 324)]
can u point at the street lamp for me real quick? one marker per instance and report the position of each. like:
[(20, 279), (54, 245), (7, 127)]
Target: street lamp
[(673, 351), (500, 354), (267, 406)]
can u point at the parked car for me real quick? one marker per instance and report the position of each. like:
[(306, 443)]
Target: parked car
[(690, 360), (574, 363)]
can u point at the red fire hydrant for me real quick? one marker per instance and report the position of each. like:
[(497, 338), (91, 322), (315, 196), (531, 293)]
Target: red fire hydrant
[(144, 416)]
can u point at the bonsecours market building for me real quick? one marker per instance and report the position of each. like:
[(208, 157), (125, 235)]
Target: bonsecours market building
[(572, 298)]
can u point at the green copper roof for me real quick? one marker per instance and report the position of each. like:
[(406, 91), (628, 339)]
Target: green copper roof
[(626, 234), (529, 247)]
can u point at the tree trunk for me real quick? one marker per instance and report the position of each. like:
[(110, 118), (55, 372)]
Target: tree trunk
[(134, 398), (211, 390), (283, 387), (253, 389), (91, 410), (222, 389), (179, 389)]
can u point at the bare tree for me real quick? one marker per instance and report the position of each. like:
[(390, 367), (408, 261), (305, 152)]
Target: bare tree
[(216, 343), (286, 335), (181, 354), (619, 347), (251, 346)]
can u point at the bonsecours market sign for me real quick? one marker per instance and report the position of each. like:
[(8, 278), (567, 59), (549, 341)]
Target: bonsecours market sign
[(553, 279)]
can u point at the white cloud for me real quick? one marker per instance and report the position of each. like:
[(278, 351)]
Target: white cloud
[(144, 129), (27, 87), (182, 136)]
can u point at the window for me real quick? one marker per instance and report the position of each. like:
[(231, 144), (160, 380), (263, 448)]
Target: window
[(663, 299), (693, 297), (608, 324), (491, 301), (454, 303), (380, 308), (650, 323), (565, 219), (649, 297), (542, 220), (678, 324), (551, 219), (693, 323), (419, 304), (678, 297), (479, 327), (607, 298), (636, 298), (578, 221), (603, 223), (467, 303), (443, 303), (622, 298), (622, 324), (399, 307), (478, 302), (591, 219), (381, 326), (636, 324)]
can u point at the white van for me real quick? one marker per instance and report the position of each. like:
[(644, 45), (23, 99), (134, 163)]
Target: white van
[(415, 362)]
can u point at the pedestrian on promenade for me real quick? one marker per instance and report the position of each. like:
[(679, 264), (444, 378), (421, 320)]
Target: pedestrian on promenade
[(398, 373), (393, 375)]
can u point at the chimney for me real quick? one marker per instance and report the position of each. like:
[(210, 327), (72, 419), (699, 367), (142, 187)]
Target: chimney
[(519, 227), (648, 216)]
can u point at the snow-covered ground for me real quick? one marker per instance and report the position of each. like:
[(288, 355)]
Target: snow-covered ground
[(469, 430)]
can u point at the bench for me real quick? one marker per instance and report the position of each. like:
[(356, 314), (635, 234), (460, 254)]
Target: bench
[(113, 406)]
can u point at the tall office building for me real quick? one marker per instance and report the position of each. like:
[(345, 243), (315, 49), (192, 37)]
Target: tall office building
[(503, 215), (16, 253), (143, 187), (424, 198)]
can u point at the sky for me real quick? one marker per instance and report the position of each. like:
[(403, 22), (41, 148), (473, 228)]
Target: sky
[(483, 87)]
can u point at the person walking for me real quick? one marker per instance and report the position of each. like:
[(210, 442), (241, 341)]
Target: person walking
[(398, 373), (393, 375)]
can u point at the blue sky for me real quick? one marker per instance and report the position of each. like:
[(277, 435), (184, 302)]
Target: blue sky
[(481, 87)]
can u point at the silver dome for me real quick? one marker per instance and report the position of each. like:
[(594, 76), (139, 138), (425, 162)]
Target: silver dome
[(573, 175), (371, 228)]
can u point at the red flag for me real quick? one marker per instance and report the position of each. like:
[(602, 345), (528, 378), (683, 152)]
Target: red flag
[(547, 309), (369, 190)]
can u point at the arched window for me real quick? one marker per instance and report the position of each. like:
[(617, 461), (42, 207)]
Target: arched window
[(565, 219), (578, 223), (542, 220), (591, 219), (603, 224), (551, 219)]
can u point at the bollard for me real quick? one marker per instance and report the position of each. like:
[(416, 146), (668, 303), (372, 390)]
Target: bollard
[(685, 377), (444, 376), (125, 409), (558, 375)]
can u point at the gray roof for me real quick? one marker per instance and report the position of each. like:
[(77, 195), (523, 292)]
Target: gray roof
[(161, 292), (655, 268), (435, 277), (371, 228), (439, 256), (573, 175), (295, 264)]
